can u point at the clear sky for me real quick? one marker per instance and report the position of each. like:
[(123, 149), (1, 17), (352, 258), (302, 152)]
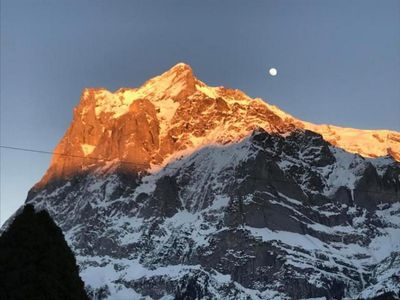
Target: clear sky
[(338, 62)]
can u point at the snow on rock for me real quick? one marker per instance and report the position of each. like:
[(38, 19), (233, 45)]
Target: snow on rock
[(176, 112), (87, 149), (131, 238), (180, 181)]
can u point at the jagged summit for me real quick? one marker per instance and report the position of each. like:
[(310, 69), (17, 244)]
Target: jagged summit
[(176, 83), (176, 113), (181, 67)]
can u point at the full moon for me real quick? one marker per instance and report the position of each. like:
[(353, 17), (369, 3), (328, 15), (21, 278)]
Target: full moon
[(273, 72)]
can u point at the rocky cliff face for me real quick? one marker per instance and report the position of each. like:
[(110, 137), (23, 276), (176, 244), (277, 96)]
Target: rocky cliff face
[(175, 112), (178, 184)]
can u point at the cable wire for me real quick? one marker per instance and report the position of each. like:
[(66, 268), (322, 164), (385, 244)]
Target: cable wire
[(166, 167)]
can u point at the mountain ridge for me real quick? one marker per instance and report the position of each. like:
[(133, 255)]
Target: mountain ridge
[(160, 108)]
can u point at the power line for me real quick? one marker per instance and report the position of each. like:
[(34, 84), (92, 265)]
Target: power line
[(167, 167), (65, 154), (73, 156)]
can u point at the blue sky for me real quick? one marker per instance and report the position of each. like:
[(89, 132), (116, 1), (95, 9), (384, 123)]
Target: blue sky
[(338, 62)]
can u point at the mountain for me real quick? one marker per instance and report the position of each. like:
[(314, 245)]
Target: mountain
[(36, 262), (176, 188), (174, 113)]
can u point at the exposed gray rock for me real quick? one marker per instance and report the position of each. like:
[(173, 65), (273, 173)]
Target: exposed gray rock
[(267, 218)]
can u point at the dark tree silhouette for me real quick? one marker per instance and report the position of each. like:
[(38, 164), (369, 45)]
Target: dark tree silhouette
[(36, 262)]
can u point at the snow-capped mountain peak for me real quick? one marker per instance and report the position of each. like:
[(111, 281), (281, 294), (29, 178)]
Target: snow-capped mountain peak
[(176, 113), (178, 184)]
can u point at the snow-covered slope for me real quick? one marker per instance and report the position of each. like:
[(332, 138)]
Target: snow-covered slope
[(269, 217), (368, 143), (177, 185)]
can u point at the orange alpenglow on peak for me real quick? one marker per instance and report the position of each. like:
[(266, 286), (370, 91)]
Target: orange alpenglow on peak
[(175, 114)]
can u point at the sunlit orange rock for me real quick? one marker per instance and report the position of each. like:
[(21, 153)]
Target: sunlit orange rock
[(174, 114)]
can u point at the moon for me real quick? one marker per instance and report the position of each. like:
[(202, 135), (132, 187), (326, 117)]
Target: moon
[(273, 72)]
